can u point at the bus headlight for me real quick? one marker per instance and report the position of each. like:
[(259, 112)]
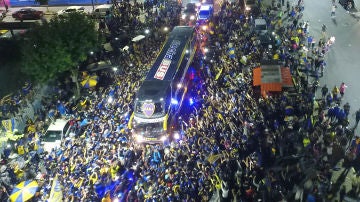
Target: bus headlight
[(176, 136), (139, 138), (163, 138)]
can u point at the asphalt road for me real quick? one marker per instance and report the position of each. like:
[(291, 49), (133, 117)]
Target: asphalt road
[(343, 59)]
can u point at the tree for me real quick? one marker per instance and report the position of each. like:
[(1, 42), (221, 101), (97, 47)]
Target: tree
[(10, 72), (58, 46)]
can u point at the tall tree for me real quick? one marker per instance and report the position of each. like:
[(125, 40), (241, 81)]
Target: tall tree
[(11, 77), (58, 46)]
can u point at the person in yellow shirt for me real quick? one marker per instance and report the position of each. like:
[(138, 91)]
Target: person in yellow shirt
[(106, 198)]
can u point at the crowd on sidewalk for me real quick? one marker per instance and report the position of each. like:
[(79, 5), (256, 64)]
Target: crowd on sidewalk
[(240, 144)]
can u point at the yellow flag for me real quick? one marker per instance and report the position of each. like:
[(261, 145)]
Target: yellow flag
[(8, 124), (218, 74), (56, 192)]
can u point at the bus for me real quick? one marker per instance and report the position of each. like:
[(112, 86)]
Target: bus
[(162, 92)]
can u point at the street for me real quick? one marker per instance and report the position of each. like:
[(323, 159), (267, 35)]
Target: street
[(342, 60)]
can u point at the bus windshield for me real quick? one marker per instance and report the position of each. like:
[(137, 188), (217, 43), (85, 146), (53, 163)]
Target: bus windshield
[(149, 129)]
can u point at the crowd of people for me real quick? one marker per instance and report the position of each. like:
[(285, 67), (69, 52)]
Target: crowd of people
[(239, 144)]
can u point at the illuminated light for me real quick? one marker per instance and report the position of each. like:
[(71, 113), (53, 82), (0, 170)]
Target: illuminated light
[(192, 17), (139, 138), (147, 31), (166, 29), (247, 8), (183, 16), (8, 146), (187, 51), (131, 64), (116, 38), (204, 57), (176, 136), (91, 53), (115, 69), (332, 39), (203, 1), (206, 50), (204, 27), (174, 102), (163, 138), (116, 200), (161, 99), (198, 4), (142, 120), (179, 85), (211, 61), (191, 101), (110, 99)]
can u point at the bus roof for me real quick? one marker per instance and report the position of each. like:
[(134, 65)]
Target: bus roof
[(152, 90), (167, 62)]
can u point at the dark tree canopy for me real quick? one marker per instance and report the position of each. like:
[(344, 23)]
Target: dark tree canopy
[(58, 46), (11, 78)]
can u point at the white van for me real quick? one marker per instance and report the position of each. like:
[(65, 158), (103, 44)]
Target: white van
[(55, 134), (205, 13), (102, 10)]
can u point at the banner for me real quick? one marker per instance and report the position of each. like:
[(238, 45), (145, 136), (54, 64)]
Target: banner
[(9, 124), (56, 192)]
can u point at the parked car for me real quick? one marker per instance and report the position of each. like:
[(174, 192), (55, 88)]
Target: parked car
[(102, 10), (71, 9), (2, 14), (27, 14)]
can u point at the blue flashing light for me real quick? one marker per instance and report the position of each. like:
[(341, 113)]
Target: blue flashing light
[(174, 101), (191, 101)]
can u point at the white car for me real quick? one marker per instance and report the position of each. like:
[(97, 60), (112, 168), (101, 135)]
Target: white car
[(71, 9), (55, 134)]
